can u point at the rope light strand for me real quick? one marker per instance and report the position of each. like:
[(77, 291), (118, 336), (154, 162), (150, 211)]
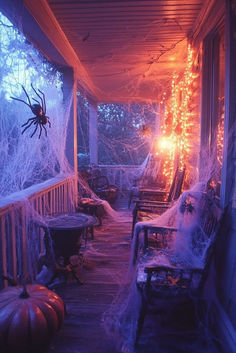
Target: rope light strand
[(179, 125)]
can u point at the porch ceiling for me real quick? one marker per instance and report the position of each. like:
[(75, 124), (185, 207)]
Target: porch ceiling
[(128, 48)]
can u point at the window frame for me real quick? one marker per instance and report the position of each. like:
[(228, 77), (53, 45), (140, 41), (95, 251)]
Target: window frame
[(210, 93)]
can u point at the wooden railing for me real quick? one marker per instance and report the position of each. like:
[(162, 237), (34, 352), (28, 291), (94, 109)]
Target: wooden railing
[(21, 240)]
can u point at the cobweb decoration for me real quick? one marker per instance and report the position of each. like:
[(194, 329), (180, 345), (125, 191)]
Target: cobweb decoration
[(125, 138), (25, 161), (121, 140), (164, 132), (120, 319)]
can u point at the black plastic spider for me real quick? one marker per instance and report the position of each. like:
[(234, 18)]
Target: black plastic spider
[(187, 206), (40, 119)]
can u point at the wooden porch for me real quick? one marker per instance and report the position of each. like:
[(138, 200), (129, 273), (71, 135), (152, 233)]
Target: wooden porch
[(138, 49), (107, 263)]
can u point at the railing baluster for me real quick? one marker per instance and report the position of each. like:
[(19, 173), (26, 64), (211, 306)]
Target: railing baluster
[(57, 199), (53, 201), (24, 243), (4, 248), (13, 242), (43, 204)]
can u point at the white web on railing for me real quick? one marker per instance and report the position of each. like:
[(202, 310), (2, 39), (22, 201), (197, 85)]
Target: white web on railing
[(27, 164)]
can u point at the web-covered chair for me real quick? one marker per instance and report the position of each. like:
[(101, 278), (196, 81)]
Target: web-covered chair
[(99, 184), (145, 210), (150, 180), (103, 189), (175, 273)]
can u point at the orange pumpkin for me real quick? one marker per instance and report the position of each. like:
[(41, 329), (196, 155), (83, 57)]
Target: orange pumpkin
[(28, 318)]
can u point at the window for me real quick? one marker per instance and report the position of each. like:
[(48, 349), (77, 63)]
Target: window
[(213, 105)]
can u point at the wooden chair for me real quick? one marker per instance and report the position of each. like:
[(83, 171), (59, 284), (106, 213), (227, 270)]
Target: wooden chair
[(147, 209), (99, 184), (148, 192), (147, 180), (160, 194), (172, 279), (103, 189)]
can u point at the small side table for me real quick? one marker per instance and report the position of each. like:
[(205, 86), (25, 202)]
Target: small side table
[(66, 232)]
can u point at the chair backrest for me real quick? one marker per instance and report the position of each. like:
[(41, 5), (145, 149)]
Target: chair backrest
[(214, 228), (100, 183), (198, 218), (176, 186), (200, 223)]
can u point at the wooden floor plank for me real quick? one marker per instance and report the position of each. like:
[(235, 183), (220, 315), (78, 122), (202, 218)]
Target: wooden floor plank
[(107, 258)]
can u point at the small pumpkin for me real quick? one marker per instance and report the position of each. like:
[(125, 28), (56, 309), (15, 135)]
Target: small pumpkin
[(28, 318)]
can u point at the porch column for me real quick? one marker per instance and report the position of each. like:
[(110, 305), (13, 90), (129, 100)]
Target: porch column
[(70, 100), (93, 133), (229, 160)]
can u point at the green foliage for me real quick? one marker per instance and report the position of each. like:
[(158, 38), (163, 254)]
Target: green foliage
[(120, 138), (21, 63), (120, 132)]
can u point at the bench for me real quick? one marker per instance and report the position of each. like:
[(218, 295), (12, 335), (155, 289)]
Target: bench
[(179, 271)]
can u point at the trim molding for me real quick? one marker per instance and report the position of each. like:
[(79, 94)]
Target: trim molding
[(211, 15), (43, 15)]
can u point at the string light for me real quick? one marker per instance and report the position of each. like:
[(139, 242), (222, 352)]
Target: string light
[(179, 129), (220, 139)]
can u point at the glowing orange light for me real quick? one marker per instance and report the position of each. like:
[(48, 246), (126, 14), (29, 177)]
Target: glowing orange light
[(165, 143), (178, 128), (220, 139)]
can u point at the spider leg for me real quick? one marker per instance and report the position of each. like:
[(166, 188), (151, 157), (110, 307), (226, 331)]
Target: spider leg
[(27, 126), (36, 101), (40, 126), (35, 129), (38, 96), (20, 100), (45, 131), (44, 101), (26, 95), (28, 122), (49, 123)]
